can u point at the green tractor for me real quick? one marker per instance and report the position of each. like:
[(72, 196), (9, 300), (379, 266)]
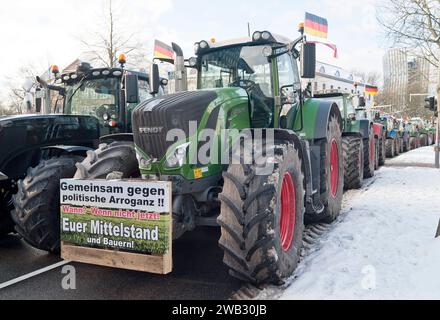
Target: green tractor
[(360, 147), (283, 152), (79, 111)]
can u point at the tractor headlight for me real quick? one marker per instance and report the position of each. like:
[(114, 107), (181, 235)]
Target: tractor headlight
[(204, 45), (144, 161), (178, 157), (192, 62), (256, 36), (266, 35)]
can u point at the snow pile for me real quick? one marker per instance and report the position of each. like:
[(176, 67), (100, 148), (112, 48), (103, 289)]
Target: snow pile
[(383, 246)]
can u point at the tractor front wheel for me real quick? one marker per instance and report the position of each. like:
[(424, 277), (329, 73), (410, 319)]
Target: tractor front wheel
[(262, 218), (353, 149), (37, 203)]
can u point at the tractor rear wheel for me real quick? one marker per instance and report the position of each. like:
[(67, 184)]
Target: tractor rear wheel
[(37, 203), (390, 148), (382, 151), (6, 206), (333, 172), (369, 156), (262, 218), (376, 157), (396, 147), (353, 149)]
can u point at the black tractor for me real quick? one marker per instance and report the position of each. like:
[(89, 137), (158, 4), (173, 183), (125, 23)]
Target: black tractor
[(76, 113)]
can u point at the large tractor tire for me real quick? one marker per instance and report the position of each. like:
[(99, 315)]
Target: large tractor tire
[(332, 175), (353, 150), (406, 146), (413, 143), (423, 140), (262, 218), (37, 203), (6, 206), (369, 156), (382, 151), (390, 148), (116, 157), (396, 147), (376, 156)]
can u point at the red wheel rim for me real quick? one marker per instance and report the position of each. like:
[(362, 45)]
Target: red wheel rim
[(288, 212), (334, 168), (372, 150)]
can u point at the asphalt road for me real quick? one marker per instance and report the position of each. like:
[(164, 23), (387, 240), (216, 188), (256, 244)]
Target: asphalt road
[(199, 274)]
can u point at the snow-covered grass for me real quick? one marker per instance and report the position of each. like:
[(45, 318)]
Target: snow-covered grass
[(383, 245)]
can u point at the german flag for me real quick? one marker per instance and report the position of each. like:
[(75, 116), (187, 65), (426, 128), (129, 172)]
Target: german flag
[(371, 90), (163, 51), (316, 26)]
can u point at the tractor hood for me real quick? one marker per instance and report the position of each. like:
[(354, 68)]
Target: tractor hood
[(22, 137), (153, 119)]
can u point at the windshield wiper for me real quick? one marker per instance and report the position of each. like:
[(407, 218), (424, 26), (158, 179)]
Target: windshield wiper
[(76, 90)]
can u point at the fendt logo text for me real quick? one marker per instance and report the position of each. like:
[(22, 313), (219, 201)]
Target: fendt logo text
[(155, 130)]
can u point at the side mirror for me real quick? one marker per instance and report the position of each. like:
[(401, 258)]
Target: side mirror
[(131, 88), (308, 60), (154, 79)]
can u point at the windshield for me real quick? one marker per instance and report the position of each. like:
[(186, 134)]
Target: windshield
[(93, 97), (244, 67)]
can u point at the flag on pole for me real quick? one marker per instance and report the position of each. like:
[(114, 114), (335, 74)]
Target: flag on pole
[(163, 51), (371, 90), (331, 46), (316, 26)]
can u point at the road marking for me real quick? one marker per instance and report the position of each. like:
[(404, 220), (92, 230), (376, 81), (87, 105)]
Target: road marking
[(33, 274)]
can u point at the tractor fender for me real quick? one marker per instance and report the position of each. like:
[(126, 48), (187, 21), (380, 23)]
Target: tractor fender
[(316, 116), (352, 134), (290, 136), (365, 128), (117, 138), (3, 177), (378, 130), (68, 149)]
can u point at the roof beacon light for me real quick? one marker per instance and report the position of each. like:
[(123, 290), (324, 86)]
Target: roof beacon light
[(122, 59), (54, 69)]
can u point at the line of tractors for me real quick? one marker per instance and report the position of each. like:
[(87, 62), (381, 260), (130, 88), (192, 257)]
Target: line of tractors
[(112, 120)]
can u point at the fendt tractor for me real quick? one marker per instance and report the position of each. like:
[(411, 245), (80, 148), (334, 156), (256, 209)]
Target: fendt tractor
[(249, 85), (359, 145), (92, 106)]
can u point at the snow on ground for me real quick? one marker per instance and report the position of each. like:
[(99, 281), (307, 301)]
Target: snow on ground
[(420, 156), (383, 245)]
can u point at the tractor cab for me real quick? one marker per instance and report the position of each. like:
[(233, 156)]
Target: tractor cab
[(264, 66), (107, 94)]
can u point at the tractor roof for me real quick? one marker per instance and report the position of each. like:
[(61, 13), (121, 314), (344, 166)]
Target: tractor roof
[(237, 41)]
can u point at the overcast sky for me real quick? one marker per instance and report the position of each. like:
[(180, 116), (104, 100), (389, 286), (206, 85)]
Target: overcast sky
[(47, 32)]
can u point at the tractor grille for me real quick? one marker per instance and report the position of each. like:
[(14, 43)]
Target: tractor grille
[(153, 119)]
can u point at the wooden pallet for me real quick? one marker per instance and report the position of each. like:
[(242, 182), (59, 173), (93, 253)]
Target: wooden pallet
[(121, 260)]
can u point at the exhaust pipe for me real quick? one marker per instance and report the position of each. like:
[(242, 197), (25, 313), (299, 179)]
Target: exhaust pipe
[(180, 69)]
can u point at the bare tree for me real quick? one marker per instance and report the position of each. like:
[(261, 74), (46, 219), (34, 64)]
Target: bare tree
[(110, 38), (413, 24), (16, 90)]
